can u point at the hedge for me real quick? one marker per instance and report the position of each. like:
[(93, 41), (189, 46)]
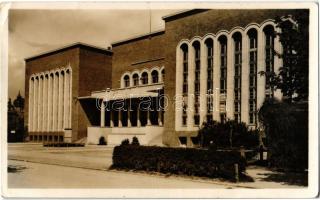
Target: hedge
[(187, 161), (63, 144)]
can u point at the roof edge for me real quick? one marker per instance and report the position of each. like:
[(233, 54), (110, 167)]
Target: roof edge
[(139, 37), (181, 14), (74, 45)]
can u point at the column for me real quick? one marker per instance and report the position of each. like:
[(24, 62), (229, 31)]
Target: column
[(119, 118), (35, 104), (30, 105), (230, 79), (261, 66), (60, 102), (54, 106), (45, 101), (179, 82), (49, 114), (245, 80), (65, 100), (216, 80), (40, 105), (203, 81), (278, 62), (102, 114), (129, 120), (148, 118), (138, 117), (160, 117), (191, 97), (111, 119), (70, 99)]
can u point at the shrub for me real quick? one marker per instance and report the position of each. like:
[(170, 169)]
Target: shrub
[(135, 141), (227, 135), (125, 142), (102, 141), (286, 127), (188, 161)]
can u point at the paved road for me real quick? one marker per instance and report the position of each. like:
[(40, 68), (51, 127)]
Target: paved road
[(87, 167), (35, 175)]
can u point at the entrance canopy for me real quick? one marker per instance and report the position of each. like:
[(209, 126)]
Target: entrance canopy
[(128, 92)]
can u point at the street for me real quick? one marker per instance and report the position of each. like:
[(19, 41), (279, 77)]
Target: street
[(35, 166)]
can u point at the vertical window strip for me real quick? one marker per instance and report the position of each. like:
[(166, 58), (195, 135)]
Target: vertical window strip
[(197, 83), (252, 77), (185, 84), (269, 59), (237, 77), (223, 77), (209, 44)]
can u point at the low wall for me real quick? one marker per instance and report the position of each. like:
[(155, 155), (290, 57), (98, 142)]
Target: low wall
[(115, 135)]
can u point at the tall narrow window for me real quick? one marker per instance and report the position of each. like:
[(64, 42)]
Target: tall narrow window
[(223, 76), (269, 41), (237, 75), (144, 78), (184, 50), (252, 75), (209, 45), (155, 76), (135, 79), (196, 46), (126, 80)]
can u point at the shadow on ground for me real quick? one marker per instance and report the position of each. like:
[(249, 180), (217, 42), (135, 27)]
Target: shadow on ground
[(15, 168), (299, 179)]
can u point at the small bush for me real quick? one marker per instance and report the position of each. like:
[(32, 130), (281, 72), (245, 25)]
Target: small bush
[(102, 141), (135, 141), (125, 142), (188, 161)]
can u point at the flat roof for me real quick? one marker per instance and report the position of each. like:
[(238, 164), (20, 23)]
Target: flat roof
[(138, 37), (181, 14), (71, 46)]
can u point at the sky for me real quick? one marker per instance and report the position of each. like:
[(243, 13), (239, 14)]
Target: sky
[(32, 32)]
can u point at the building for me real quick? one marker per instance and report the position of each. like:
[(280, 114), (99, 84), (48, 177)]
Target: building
[(203, 66)]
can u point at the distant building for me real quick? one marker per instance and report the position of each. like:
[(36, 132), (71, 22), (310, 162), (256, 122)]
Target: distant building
[(205, 62), (16, 132)]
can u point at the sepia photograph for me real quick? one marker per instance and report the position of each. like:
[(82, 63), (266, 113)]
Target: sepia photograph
[(160, 100)]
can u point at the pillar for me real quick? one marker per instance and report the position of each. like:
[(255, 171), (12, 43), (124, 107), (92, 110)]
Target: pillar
[(70, 99), (203, 81), (40, 105), (278, 62), (35, 98), (30, 104), (128, 110), (60, 102), (45, 103), (216, 80), (102, 114), (111, 119), (261, 66), (50, 103), (230, 79), (179, 83), (54, 106), (191, 97), (138, 117), (148, 117), (65, 101), (245, 79), (119, 118), (160, 117)]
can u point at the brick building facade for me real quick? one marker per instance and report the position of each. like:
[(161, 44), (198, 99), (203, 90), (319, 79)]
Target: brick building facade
[(203, 59)]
